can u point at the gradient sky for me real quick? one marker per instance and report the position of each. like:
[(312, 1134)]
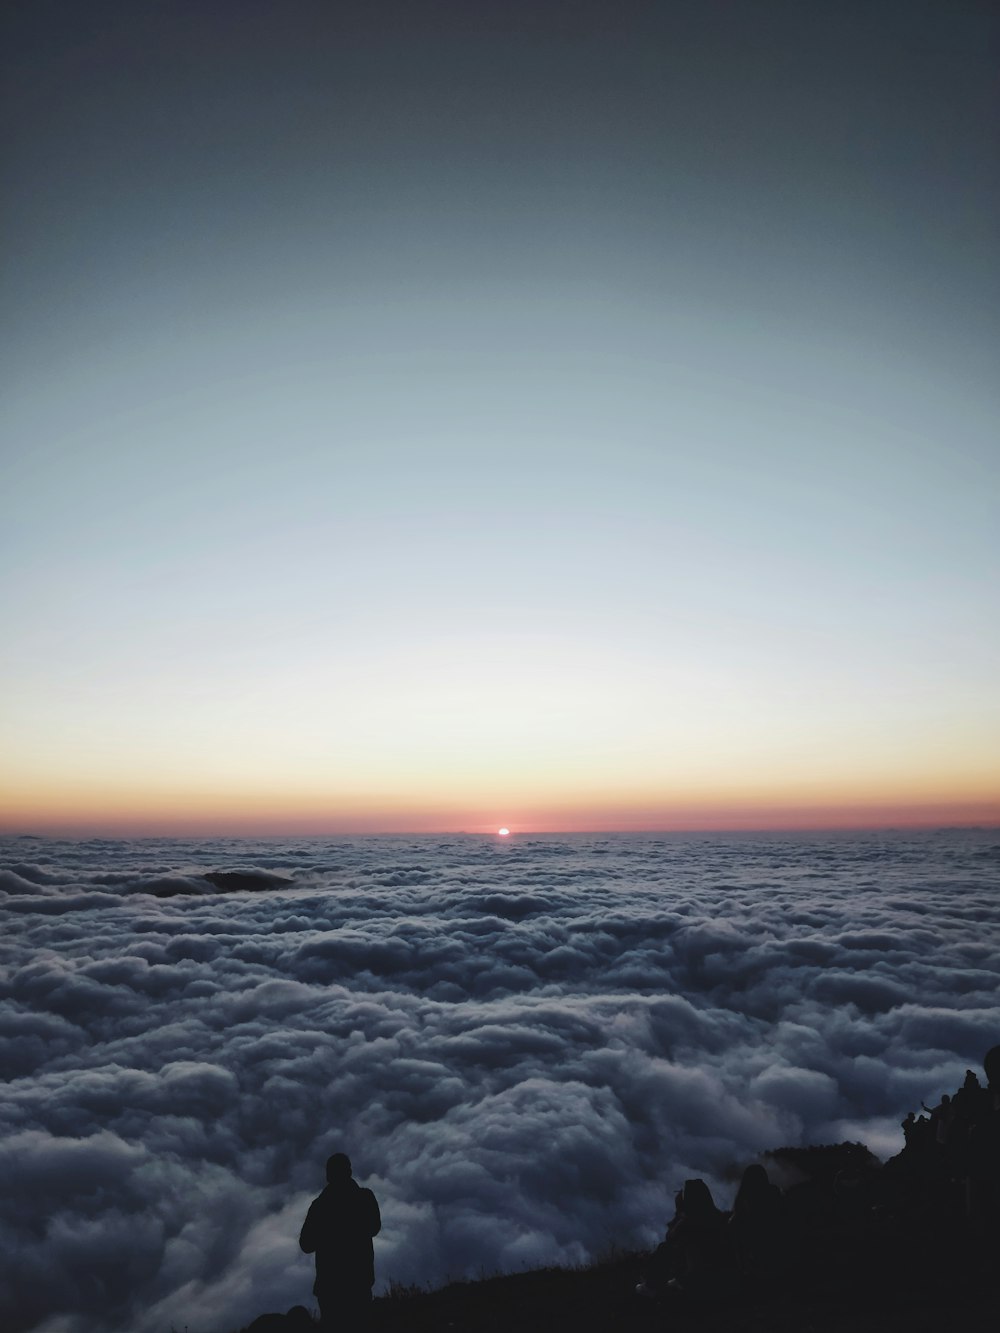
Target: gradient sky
[(557, 415)]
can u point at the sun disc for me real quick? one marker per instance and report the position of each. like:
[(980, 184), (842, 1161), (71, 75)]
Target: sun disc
[(503, 832)]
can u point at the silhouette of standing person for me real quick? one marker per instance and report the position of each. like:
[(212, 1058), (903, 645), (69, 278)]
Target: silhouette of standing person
[(338, 1229)]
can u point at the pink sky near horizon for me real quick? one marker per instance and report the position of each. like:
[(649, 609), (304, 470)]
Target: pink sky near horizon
[(186, 822)]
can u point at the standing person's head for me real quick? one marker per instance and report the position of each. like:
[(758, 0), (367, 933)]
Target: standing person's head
[(338, 1168)]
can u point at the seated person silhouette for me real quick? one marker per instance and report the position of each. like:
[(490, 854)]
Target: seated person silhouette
[(338, 1229), (694, 1258), (759, 1225)]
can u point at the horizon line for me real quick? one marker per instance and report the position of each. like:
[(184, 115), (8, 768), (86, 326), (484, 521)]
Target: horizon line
[(513, 832)]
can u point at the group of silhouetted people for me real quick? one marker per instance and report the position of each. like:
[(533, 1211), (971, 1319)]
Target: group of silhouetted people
[(938, 1201), (952, 1153), (707, 1252)]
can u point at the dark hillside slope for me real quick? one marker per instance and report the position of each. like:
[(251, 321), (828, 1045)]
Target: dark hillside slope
[(602, 1299)]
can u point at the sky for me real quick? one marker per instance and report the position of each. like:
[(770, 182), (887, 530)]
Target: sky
[(558, 415)]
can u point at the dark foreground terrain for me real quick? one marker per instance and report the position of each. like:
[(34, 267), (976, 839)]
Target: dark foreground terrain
[(601, 1299)]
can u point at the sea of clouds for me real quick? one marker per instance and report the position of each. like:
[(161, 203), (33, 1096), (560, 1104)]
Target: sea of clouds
[(525, 1045)]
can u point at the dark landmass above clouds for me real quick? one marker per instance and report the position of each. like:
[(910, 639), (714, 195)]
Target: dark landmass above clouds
[(648, 1009), (245, 881), (27, 878)]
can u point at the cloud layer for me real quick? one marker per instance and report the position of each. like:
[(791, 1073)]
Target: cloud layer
[(524, 1046)]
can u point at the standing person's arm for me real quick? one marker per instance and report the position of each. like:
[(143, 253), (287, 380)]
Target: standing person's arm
[(374, 1217), (309, 1235)]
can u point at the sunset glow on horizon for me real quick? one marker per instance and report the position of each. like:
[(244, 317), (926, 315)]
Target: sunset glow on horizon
[(467, 426), (161, 813), (266, 750)]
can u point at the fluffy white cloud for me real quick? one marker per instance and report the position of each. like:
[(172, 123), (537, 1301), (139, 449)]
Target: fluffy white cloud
[(525, 1047)]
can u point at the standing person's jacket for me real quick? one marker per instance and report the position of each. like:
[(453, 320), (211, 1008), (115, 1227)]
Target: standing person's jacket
[(338, 1229)]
